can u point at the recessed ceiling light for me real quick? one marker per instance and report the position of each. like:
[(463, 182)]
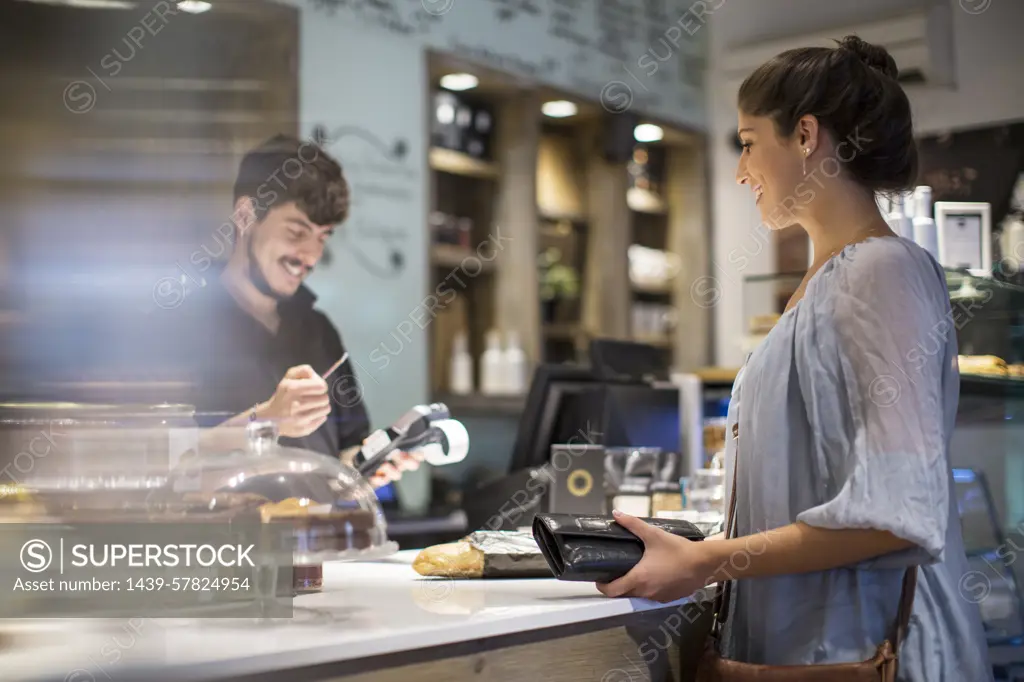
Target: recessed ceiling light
[(194, 6), (98, 4), (648, 132), (459, 81), (559, 108)]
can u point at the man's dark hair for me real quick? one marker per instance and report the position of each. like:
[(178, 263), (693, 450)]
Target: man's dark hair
[(853, 92), (285, 169)]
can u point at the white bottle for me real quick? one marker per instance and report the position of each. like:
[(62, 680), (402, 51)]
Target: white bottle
[(909, 205), (1011, 243), (925, 233), (460, 377), (492, 375), (899, 221), (515, 366)]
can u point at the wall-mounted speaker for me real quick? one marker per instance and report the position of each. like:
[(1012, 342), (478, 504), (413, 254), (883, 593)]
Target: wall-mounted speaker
[(617, 139)]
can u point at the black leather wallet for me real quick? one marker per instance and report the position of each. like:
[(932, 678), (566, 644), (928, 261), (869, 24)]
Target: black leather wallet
[(595, 548)]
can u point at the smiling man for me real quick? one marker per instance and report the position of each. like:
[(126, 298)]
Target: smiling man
[(257, 348)]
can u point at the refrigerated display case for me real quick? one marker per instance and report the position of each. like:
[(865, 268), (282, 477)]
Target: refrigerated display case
[(988, 317)]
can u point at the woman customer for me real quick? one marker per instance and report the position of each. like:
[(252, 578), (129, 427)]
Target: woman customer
[(841, 418)]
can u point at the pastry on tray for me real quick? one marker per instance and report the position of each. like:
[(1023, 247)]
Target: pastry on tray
[(322, 527), (985, 365)]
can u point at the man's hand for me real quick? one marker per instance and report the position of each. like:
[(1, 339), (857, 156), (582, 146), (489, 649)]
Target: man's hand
[(393, 468), (671, 568), (300, 405)]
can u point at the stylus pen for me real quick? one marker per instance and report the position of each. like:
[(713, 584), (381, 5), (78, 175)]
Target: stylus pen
[(336, 365)]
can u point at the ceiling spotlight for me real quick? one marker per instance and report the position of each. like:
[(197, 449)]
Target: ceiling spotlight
[(99, 4), (194, 6), (648, 132), (559, 108), (459, 81)]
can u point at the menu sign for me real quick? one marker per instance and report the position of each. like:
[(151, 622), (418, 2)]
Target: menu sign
[(652, 48)]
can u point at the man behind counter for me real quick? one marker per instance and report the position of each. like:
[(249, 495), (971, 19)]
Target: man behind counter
[(256, 346)]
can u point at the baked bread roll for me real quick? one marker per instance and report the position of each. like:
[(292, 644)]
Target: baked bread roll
[(988, 365), (452, 560), (485, 554)]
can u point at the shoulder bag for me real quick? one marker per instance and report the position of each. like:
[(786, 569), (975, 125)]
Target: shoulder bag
[(882, 667)]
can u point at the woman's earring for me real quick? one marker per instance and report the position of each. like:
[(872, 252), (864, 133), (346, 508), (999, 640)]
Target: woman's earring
[(807, 152)]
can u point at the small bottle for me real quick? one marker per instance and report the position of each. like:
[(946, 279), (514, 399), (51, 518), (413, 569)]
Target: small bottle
[(925, 233), (899, 221), (909, 205), (460, 379), (492, 375), (515, 366), (1012, 244)]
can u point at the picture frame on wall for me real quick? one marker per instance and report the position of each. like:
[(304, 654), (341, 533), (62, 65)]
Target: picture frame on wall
[(965, 235)]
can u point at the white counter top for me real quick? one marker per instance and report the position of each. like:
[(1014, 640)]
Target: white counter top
[(365, 609)]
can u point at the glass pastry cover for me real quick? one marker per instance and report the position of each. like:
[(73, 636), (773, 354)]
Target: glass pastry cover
[(333, 511)]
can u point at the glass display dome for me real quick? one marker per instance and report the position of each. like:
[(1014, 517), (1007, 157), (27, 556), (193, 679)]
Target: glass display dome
[(332, 510), (96, 468)]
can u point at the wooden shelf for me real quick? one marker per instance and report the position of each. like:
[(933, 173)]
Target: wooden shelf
[(568, 332), (645, 201), (457, 163), (550, 217), (717, 375), (664, 289), (450, 256)]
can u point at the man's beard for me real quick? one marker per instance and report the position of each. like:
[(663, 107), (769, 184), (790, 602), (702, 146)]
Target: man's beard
[(258, 278)]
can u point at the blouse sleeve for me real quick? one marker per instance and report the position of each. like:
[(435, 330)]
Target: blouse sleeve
[(871, 357)]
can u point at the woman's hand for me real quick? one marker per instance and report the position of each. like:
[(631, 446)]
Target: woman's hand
[(671, 568), (392, 469)]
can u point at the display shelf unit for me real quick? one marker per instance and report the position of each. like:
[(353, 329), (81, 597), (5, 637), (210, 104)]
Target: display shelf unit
[(667, 209), (457, 163), (451, 256), (481, 161), (556, 188), (563, 235)]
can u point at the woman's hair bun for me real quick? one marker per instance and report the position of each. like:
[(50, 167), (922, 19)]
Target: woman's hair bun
[(862, 108), (875, 56)]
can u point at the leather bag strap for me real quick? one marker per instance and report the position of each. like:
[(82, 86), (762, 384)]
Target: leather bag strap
[(724, 589), (902, 622)]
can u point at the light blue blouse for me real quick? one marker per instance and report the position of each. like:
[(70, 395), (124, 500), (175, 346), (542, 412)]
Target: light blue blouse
[(845, 413)]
